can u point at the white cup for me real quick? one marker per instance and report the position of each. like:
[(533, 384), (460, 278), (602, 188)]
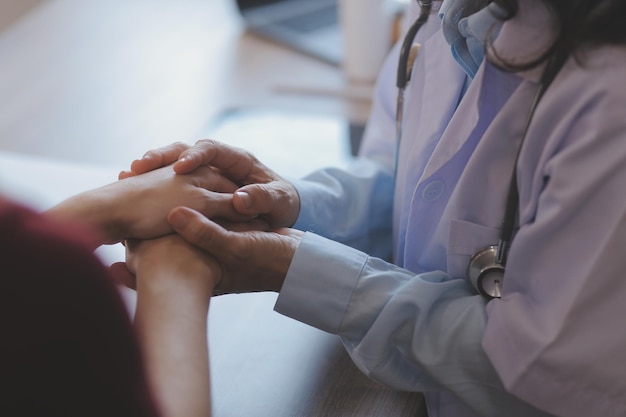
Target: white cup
[(367, 29)]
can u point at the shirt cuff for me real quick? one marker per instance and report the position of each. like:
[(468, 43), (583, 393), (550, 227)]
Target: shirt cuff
[(306, 190), (320, 282)]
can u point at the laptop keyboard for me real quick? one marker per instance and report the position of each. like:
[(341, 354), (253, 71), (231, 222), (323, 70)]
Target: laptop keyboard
[(312, 20)]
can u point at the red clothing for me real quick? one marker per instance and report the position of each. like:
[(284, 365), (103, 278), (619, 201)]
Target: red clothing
[(67, 346)]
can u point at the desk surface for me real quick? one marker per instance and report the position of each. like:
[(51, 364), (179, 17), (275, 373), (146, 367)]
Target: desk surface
[(262, 364), (88, 85)]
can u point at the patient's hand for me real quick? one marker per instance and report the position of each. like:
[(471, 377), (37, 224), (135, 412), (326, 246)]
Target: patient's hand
[(263, 192), (169, 261), (174, 285), (137, 207)]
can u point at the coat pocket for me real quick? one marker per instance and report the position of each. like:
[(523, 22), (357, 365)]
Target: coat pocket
[(465, 240)]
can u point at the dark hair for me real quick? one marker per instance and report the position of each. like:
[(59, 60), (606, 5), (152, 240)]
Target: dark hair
[(580, 22)]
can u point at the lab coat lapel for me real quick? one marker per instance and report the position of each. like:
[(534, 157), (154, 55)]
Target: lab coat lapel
[(430, 105), (455, 134), (488, 93)]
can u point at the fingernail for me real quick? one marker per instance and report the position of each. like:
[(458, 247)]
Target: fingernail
[(178, 219), (244, 198)]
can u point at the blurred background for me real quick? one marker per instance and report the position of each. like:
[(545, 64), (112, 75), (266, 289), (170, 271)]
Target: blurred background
[(101, 82)]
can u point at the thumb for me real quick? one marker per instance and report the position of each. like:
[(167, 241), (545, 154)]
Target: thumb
[(197, 229), (271, 200)]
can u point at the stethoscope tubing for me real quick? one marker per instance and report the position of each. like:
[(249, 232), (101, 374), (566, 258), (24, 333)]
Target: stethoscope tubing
[(510, 218), (405, 65)]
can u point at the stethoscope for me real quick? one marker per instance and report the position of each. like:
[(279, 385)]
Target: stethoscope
[(485, 270)]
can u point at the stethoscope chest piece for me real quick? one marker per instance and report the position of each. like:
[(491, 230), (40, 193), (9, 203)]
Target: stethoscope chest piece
[(485, 273)]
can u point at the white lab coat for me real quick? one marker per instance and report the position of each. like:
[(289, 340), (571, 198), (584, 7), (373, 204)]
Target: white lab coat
[(555, 340)]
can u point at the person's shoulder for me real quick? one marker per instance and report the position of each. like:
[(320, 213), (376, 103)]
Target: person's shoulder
[(49, 265), (21, 224), (65, 327), (600, 68), (32, 241), (593, 82)]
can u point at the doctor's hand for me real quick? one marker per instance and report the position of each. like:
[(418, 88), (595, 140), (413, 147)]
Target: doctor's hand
[(250, 260), (137, 207), (262, 192)]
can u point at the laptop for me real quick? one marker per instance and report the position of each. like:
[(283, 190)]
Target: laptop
[(308, 26)]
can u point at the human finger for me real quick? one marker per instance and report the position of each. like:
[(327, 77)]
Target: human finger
[(211, 180), (122, 276), (157, 158), (277, 201), (235, 163), (257, 224), (250, 260), (125, 174), (240, 269), (198, 230), (218, 205)]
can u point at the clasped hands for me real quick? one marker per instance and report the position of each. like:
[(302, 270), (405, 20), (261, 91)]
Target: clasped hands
[(224, 203)]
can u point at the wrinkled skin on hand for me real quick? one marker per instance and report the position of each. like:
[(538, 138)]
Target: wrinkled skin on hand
[(250, 259)]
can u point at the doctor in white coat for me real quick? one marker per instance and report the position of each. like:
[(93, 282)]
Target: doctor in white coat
[(554, 343)]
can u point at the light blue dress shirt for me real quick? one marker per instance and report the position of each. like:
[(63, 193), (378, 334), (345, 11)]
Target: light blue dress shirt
[(555, 340)]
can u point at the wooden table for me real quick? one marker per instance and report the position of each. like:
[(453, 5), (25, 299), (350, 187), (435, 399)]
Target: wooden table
[(88, 85)]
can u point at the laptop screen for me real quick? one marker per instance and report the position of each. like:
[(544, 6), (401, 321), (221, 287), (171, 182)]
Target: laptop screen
[(309, 26), (246, 4)]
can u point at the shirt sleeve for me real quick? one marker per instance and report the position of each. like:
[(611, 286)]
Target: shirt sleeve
[(411, 332), (352, 206)]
